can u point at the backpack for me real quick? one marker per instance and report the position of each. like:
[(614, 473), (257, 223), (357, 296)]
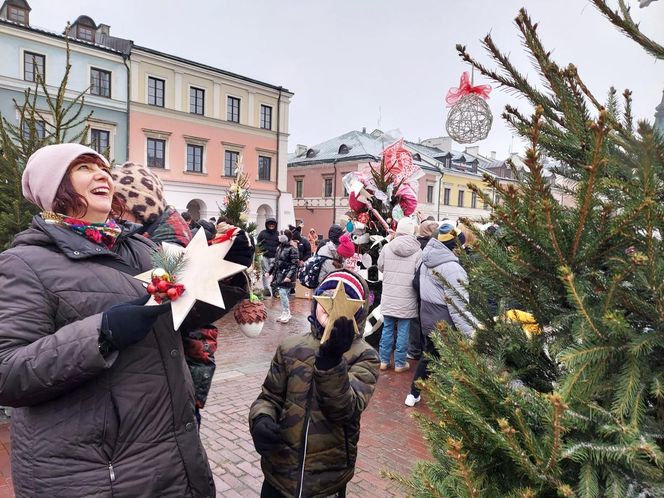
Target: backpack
[(310, 271)]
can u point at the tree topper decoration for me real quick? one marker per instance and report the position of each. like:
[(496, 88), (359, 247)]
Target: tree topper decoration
[(470, 118), (205, 267)]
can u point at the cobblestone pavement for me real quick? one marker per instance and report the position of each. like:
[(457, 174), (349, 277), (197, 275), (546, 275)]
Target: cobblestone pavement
[(389, 440)]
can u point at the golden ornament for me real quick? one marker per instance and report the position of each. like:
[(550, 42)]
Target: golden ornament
[(161, 274), (337, 306)]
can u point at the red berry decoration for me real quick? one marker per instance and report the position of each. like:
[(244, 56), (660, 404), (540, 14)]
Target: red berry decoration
[(162, 286), (152, 289), (172, 293)]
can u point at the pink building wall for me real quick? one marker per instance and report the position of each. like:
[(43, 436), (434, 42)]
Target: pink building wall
[(213, 158)]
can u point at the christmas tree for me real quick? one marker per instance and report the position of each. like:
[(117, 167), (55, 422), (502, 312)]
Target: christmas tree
[(66, 122), (572, 403), (236, 202)]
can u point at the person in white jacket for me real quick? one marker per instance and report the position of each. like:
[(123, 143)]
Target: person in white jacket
[(398, 261)]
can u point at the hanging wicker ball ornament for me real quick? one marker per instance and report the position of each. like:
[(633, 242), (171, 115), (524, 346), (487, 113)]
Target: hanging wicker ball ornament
[(469, 120)]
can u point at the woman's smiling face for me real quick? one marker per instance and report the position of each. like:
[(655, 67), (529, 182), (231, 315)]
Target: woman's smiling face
[(95, 184)]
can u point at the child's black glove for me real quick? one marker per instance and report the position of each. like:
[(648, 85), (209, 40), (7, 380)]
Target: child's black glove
[(127, 323), (266, 435), (340, 341)]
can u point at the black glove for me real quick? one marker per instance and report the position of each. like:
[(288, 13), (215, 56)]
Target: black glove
[(340, 341), (266, 434), (127, 323)]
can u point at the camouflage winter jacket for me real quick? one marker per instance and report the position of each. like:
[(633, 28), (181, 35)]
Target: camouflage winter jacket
[(319, 414)]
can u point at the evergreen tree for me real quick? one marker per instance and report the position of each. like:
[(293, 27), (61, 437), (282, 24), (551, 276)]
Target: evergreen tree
[(573, 405), (44, 119), (236, 202)]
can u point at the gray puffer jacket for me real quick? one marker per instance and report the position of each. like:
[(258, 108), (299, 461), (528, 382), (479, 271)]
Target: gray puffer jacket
[(435, 294), (398, 261), (329, 250), (87, 425)]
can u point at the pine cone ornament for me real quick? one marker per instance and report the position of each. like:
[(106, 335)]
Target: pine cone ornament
[(250, 314)]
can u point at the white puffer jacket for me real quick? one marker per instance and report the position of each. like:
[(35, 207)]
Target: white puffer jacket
[(398, 261)]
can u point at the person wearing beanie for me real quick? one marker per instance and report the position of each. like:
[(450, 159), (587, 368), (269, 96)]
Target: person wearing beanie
[(344, 371), (303, 246), (88, 369), (427, 229), (346, 248), (268, 241), (443, 299), (334, 260), (312, 238), (284, 272), (142, 192), (450, 236), (398, 261)]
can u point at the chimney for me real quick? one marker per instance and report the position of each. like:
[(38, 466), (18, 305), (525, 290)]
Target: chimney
[(442, 143), (474, 150), (301, 150), (492, 155), (364, 130), (104, 29)]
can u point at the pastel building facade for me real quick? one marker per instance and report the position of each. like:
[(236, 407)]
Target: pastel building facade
[(315, 178), (96, 69), (194, 124)]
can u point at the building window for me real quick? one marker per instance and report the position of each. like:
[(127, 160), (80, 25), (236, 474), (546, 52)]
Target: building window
[(156, 91), (446, 196), (100, 82), (196, 101), (233, 109), (85, 33), (264, 168), (40, 130), (266, 117), (429, 194), (33, 65), (230, 162), (194, 158), (156, 153), (460, 198), (100, 140), (327, 187), (473, 200), (299, 188), (17, 14)]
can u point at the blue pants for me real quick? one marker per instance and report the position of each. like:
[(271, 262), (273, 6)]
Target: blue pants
[(284, 293), (387, 338)]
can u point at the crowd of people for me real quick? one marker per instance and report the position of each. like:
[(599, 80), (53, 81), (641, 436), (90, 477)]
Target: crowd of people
[(107, 397)]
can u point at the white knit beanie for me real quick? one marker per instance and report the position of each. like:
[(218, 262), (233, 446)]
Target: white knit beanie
[(406, 226)]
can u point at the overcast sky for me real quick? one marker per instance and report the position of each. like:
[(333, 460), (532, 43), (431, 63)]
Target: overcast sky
[(371, 63)]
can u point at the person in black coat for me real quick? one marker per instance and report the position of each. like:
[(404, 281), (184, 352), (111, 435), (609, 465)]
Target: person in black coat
[(284, 272), (268, 240), (303, 246)]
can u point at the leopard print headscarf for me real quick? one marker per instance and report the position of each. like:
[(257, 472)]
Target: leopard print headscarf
[(141, 190)]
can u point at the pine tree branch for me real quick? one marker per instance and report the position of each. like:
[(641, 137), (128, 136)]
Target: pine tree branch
[(568, 278), (626, 24), (600, 129)]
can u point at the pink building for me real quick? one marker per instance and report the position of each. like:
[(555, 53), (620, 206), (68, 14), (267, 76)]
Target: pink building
[(193, 124)]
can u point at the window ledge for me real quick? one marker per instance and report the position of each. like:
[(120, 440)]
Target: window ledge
[(195, 173)]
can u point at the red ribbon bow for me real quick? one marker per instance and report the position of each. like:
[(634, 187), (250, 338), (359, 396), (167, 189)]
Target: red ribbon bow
[(465, 88)]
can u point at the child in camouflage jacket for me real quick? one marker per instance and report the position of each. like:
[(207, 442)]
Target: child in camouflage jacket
[(306, 421)]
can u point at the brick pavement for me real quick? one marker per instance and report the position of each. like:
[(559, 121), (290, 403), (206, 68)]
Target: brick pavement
[(389, 439)]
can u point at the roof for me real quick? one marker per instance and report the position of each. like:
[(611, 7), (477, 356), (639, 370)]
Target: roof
[(51, 34), (17, 3), (211, 68)]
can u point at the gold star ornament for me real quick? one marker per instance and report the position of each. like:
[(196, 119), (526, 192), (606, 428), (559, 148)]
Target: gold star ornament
[(204, 267), (337, 306)]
